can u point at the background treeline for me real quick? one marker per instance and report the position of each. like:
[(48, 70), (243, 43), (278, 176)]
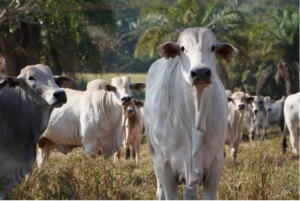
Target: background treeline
[(98, 36)]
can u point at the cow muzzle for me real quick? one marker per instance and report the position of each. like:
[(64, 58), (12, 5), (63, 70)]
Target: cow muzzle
[(255, 111), (241, 107), (200, 76), (126, 100), (129, 111), (61, 98)]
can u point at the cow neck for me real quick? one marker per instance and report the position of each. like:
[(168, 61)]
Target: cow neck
[(187, 104), (22, 123), (110, 105)]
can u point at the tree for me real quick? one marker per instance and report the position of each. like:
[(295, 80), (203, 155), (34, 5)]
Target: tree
[(53, 32), (282, 44)]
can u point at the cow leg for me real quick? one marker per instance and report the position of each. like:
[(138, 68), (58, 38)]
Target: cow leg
[(212, 179), (43, 152), (265, 132), (117, 156), (257, 131), (294, 137), (159, 192), (135, 151), (166, 180), (90, 147), (4, 194)]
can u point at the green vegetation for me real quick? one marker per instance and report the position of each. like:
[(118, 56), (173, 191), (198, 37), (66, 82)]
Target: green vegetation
[(260, 172)]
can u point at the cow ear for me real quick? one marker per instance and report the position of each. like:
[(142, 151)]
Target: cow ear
[(214, 31), (168, 50), (109, 87), (249, 99), (229, 99), (64, 82), (138, 86), (226, 51), (12, 81), (138, 103)]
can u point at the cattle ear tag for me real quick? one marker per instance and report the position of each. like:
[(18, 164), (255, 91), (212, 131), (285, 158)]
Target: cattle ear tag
[(228, 55), (65, 81), (67, 86), (228, 61), (140, 90)]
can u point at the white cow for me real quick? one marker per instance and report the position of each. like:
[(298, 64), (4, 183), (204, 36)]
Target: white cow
[(249, 117), (132, 134), (260, 116), (26, 104), (92, 119), (292, 121), (237, 104), (276, 115), (185, 114)]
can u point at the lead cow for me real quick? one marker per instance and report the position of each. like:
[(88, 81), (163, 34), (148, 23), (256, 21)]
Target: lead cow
[(91, 119), (185, 114), (26, 103)]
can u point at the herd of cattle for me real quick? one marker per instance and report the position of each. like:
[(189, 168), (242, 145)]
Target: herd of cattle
[(188, 117)]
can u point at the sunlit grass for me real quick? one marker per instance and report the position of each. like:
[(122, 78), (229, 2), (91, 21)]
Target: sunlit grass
[(260, 172)]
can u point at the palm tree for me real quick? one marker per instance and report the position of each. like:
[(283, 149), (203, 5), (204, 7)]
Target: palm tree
[(162, 22), (282, 44)]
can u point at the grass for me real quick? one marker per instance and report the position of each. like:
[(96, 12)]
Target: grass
[(260, 172)]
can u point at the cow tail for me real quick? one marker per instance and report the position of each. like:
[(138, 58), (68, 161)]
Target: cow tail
[(284, 145), (127, 153)]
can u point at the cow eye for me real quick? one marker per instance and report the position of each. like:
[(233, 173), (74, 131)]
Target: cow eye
[(182, 48), (213, 48), (31, 78)]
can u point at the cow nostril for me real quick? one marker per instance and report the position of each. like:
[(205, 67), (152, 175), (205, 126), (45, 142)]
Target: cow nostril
[(208, 73), (193, 74), (56, 94)]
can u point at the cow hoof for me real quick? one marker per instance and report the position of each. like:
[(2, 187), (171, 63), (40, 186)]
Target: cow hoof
[(127, 154)]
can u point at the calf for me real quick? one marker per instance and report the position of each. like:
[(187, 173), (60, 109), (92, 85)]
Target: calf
[(132, 134), (237, 104), (260, 116)]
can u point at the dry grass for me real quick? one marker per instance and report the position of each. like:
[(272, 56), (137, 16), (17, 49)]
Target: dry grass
[(261, 172)]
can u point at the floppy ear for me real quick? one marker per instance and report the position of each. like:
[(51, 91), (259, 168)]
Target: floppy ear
[(109, 87), (168, 50), (229, 99), (138, 103), (12, 81), (226, 51), (138, 86), (64, 82), (249, 99)]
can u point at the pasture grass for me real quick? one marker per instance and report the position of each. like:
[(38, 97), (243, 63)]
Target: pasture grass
[(260, 172)]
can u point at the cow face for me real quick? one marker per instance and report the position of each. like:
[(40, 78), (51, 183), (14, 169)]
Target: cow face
[(240, 100), (267, 103), (42, 87), (122, 87), (257, 103), (196, 48)]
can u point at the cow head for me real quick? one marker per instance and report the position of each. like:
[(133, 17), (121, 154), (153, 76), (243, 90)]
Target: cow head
[(239, 100), (196, 48), (267, 103), (257, 104), (122, 87), (39, 83)]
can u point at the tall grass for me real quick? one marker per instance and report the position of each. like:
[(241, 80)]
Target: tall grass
[(260, 172)]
